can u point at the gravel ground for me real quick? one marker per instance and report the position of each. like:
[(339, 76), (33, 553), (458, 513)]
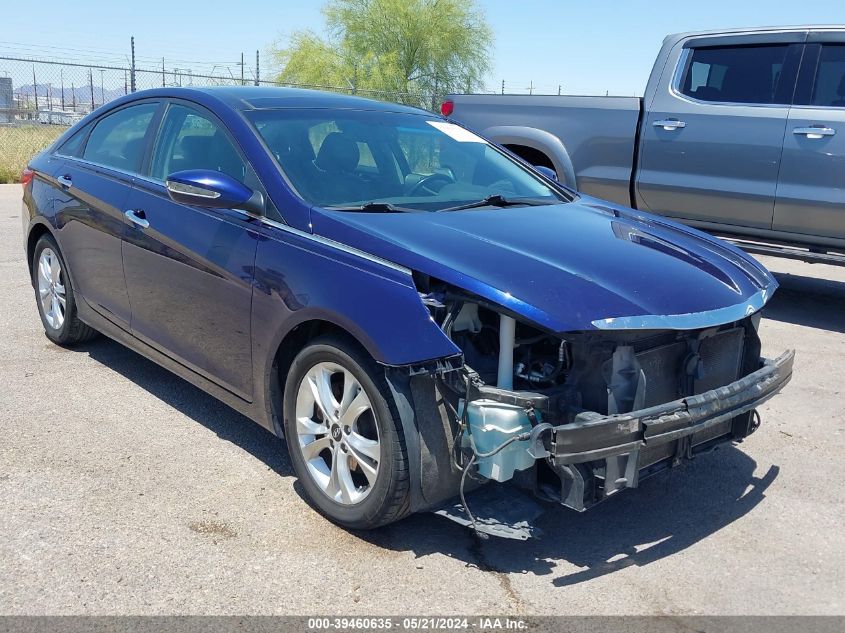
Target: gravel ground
[(125, 490)]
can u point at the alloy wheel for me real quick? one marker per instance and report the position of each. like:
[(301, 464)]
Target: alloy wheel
[(51, 289), (337, 433)]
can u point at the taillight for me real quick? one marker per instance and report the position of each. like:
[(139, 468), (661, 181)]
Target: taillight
[(447, 108), (26, 176)]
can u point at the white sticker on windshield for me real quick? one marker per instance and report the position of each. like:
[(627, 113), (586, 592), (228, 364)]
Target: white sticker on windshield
[(456, 132)]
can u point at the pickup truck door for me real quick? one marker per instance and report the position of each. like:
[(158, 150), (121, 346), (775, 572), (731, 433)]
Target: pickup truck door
[(811, 187), (712, 136)]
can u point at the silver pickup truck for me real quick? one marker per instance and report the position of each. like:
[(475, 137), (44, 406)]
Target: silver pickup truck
[(741, 133)]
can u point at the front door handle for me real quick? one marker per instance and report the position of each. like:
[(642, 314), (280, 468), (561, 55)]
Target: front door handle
[(669, 124), (65, 181), (815, 131), (137, 217)]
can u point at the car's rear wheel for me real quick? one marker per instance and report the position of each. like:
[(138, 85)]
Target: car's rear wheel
[(344, 436), (54, 295)]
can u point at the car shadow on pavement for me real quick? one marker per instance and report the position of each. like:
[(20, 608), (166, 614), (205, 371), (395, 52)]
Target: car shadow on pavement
[(191, 401), (808, 301), (667, 514)]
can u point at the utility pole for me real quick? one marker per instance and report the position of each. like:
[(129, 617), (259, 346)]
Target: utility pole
[(503, 86), (91, 86), (73, 96), (242, 69), (132, 68), (62, 76), (257, 70), (35, 90), (558, 89), (531, 87), (102, 88), (125, 83)]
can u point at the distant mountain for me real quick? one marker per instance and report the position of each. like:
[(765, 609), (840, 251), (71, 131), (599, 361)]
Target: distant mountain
[(82, 93)]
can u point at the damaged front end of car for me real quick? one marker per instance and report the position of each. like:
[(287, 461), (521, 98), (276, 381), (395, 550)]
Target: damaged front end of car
[(576, 417)]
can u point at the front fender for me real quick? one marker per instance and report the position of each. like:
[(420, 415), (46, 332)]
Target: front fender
[(299, 277), (540, 140)]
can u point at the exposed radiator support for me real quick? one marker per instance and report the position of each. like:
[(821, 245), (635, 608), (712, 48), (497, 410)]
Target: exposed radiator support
[(507, 338)]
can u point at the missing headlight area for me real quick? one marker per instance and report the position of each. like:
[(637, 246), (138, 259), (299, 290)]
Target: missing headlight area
[(575, 417)]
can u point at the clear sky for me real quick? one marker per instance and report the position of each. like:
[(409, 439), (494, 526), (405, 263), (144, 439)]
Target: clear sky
[(587, 47)]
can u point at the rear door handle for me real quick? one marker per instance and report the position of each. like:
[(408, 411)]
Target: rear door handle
[(138, 218), (65, 181), (669, 124), (814, 131)]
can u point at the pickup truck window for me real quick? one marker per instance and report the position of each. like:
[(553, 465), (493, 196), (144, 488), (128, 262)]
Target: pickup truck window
[(829, 86), (734, 74)]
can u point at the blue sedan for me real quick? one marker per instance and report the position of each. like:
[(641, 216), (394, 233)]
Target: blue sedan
[(415, 310)]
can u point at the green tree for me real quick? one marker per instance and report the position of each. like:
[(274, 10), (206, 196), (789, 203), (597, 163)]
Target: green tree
[(407, 50)]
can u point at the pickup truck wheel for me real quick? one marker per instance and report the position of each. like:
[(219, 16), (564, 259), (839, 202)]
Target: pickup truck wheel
[(344, 436), (54, 295)]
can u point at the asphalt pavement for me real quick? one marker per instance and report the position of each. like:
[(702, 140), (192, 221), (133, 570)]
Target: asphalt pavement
[(125, 490)]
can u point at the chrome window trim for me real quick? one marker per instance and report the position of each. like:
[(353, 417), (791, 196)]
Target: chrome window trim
[(692, 320), (675, 91), (122, 172), (336, 245)]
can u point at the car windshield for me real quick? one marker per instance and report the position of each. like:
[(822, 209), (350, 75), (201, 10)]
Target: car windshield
[(394, 162)]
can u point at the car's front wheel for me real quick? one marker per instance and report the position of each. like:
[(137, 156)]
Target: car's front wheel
[(344, 436), (54, 295)]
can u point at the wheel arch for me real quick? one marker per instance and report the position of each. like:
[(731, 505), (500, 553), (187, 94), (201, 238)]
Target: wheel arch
[(288, 344), (36, 232), (548, 145)]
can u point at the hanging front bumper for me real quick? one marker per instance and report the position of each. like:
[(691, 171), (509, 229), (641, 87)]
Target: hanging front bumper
[(597, 455)]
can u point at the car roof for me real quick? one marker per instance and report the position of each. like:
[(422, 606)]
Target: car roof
[(271, 97)]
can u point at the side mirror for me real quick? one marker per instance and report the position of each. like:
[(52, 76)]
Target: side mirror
[(213, 190), (548, 172)]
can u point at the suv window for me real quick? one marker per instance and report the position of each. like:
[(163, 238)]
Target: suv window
[(192, 140), (735, 74), (117, 140), (829, 87)]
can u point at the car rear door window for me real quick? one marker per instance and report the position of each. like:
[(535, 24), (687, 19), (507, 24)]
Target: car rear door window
[(829, 86), (190, 139), (73, 146), (117, 140), (735, 74)]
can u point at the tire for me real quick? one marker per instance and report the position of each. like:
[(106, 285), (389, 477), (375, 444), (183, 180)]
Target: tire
[(52, 287), (332, 453)]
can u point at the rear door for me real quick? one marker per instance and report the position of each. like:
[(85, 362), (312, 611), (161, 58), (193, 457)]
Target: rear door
[(94, 182), (811, 188), (189, 270), (712, 136)]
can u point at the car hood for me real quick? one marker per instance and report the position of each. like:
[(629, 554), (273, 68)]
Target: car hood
[(577, 266)]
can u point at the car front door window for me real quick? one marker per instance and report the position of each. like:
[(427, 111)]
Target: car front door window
[(191, 140)]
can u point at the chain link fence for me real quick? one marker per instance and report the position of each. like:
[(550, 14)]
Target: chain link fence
[(51, 92)]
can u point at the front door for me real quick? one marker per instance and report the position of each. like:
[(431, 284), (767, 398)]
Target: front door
[(811, 188), (189, 270), (711, 143)]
